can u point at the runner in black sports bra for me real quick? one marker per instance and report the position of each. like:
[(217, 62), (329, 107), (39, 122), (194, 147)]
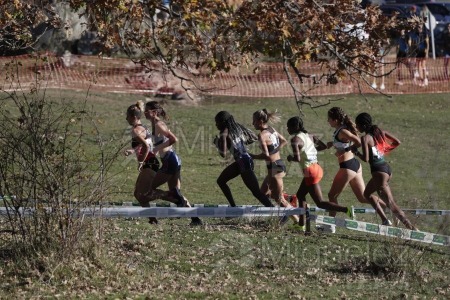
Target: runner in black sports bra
[(345, 139), (351, 164), (270, 143), (278, 165)]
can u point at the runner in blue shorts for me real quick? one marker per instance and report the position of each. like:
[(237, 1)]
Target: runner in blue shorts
[(171, 163)]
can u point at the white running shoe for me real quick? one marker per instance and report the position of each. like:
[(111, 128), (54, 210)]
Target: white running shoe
[(374, 85), (382, 87), (330, 228), (326, 228), (425, 82), (387, 223)]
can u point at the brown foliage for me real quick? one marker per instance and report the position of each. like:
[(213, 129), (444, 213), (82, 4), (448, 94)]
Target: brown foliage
[(217, 36)]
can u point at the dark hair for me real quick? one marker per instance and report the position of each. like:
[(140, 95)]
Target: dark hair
[(154, 105), (235, 130), (223, 117), (364, 121), (297, 124), (136, 110), (337, 113)]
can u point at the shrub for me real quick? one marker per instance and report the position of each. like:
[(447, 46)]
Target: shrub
[(53, 164)]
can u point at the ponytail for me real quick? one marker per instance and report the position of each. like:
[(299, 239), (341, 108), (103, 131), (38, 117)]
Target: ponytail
[(364, 121), (337, 113), (380, 140), (136, 110), (265, 116), (140, 104), (350, 124), (160, 112)]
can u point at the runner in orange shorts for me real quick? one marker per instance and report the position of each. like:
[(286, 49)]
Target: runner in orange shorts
[(313, 174), (305, 152)]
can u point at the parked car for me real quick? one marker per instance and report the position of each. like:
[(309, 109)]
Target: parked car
[(439, 11)]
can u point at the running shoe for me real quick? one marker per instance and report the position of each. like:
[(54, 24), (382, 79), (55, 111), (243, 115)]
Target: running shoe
[(294, 201), (331, 228), (196, 222), (182, 202), (153, 221), (350, 212), (296, 227), (283, 220), (326, 228), (387, 223)]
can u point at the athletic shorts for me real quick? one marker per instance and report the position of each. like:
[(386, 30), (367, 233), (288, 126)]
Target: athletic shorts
[(276, 167), (402, 54), (151, 163), (171, 163), (383, 167), (313, 174), (421, 54), (351, 164), (245, 163)]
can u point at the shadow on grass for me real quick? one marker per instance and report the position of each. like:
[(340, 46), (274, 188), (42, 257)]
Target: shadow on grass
[(385, 266)]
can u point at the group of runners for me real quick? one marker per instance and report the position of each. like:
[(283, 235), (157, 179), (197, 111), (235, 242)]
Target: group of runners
[(233, 140)]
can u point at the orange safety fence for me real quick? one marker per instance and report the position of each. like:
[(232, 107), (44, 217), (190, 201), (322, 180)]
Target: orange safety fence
[(123, 76)]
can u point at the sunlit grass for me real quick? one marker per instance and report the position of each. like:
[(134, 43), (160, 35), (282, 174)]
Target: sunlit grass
[(241, 258)]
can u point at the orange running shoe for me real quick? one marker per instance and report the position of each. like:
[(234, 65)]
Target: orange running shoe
[(292, 199)]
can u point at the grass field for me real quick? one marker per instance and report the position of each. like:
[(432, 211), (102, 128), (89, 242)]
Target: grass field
[(255, 259)]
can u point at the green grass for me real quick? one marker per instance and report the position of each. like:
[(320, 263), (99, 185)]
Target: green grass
[(419, 164), (256, 259)]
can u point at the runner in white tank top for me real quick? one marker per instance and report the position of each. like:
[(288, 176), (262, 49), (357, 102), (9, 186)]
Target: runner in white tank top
[(305, 152)]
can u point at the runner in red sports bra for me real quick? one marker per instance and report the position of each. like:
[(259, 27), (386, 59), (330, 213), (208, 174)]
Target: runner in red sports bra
[(375, 144)]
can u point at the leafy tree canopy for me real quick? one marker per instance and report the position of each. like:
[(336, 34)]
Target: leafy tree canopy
[(210, 36)]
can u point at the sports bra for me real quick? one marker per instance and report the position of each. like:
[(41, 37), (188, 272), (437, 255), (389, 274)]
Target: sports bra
[(136, 145), (158, 140), (339, 145), (375, 156), (275, 139)]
